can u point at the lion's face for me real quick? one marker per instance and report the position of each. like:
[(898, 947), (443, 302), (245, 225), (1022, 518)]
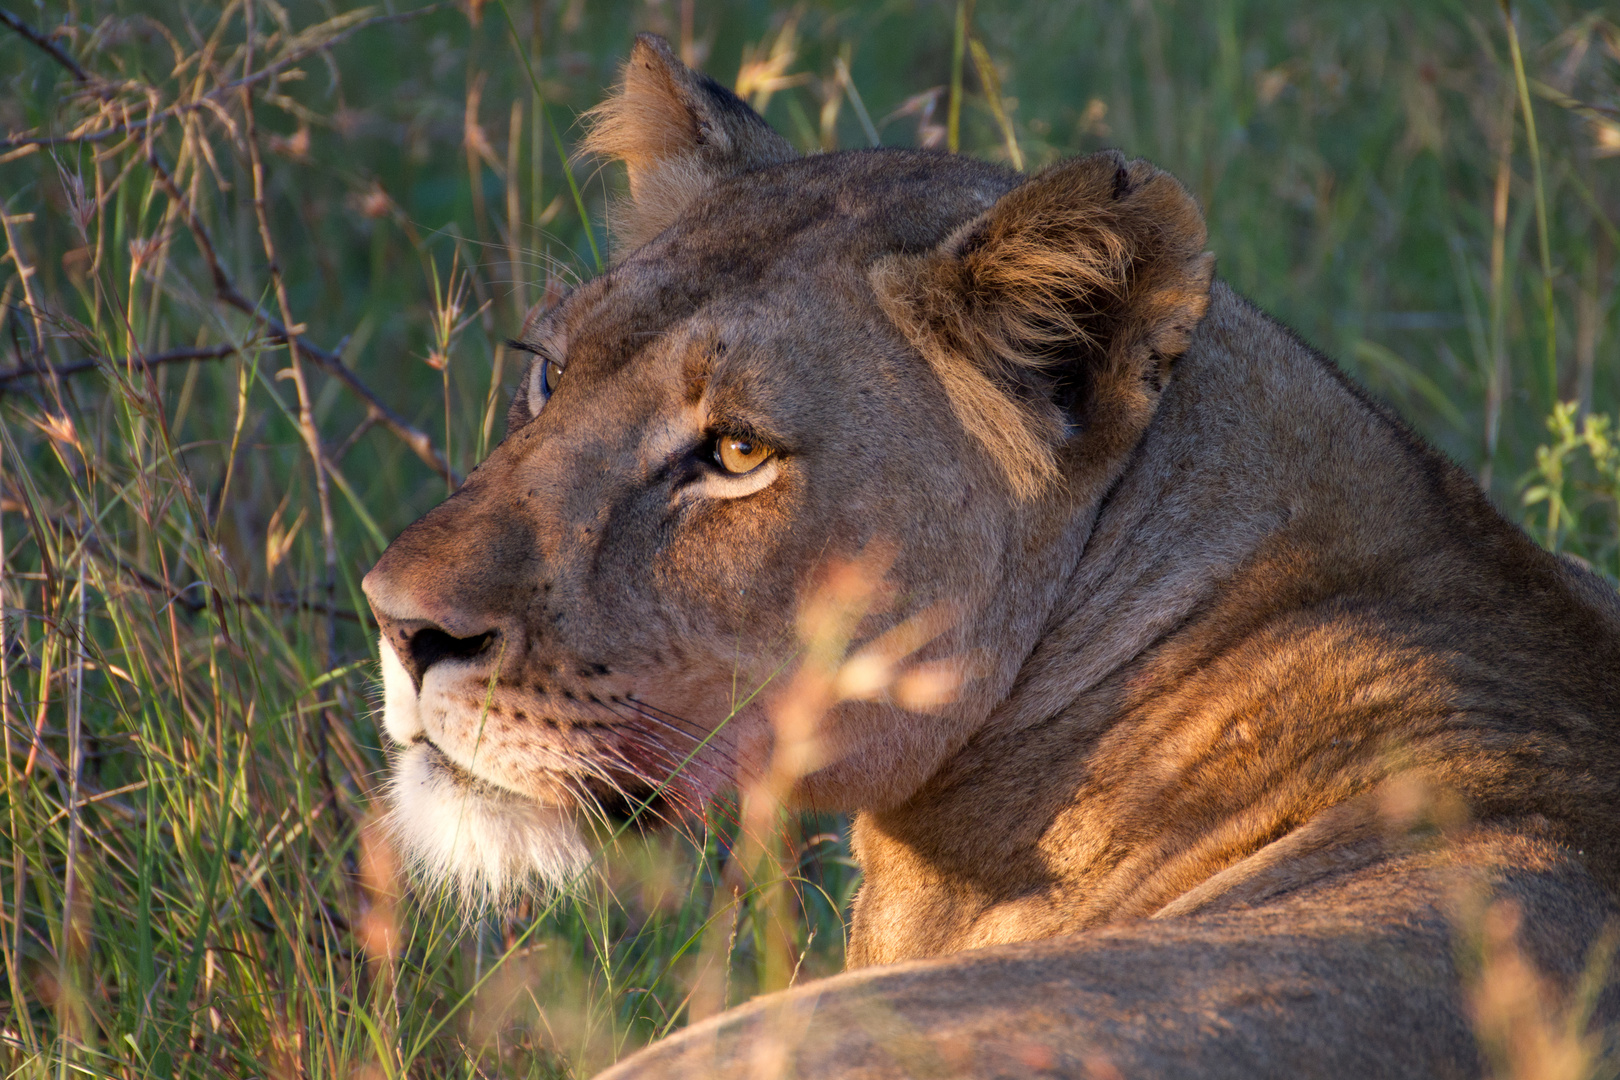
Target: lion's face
[(608, 605), (698, 432)]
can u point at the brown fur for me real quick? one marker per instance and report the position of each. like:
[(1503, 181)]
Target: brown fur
[(1265, 681), (1352, 976), (671, 129), (1098, 257)]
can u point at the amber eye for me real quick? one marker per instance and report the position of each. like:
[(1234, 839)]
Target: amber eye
[(543, 383), (739, 454)]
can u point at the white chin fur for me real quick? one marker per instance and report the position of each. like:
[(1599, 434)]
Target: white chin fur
[(488, 845), (401, 715)]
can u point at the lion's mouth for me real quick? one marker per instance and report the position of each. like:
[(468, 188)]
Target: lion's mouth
[(618, 802), (640, 805), (463, 778), (484, 839)]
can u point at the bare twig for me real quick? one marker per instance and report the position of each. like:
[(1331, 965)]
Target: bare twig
[(79, 367), (354, 436), (10, 502), (1591, 110), (46, 44), (210, 98), (294, 602), (285, 600), (330, 362)]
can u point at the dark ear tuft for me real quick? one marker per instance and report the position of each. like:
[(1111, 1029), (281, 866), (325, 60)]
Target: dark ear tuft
[(1062, 305), (677, 132), (1122, 183)]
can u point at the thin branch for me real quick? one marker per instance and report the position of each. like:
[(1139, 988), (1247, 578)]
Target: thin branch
[(46, 44), (207, 99), (287, 600), (354, 436), (330, 362), (1590, 110), (297, 603), (79, 367)]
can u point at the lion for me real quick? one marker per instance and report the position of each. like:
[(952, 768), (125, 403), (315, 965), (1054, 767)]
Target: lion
[(1259, 694)]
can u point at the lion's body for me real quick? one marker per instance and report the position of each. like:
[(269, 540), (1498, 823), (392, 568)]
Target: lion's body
[(1286, 600), (1352, 976), (1262, 701)]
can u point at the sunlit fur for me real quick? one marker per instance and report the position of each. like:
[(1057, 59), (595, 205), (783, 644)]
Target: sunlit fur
[(401, 718), (1017, 291)]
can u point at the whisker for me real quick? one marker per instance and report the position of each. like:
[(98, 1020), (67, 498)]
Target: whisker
[(657, 715), (663, 755), (693, 763), (672, 791), (643, 804), (586, 800), (664, 712), (710, 740), (637, 714)]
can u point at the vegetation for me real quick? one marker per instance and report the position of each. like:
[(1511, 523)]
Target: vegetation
[(259, 261)]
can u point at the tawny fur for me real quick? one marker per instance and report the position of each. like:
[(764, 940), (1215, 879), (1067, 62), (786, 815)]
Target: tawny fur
[(1264, 690), (674, 138), (1112, 269)]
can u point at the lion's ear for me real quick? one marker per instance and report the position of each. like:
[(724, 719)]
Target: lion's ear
[(1059, 309), (677, 131)]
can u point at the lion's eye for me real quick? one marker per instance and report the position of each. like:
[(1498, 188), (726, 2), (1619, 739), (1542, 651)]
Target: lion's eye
[(543, 383), (738, 454)]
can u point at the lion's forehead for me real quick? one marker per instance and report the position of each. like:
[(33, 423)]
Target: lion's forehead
[(852, 207), (758, 288), (788, 364), (768, 232)]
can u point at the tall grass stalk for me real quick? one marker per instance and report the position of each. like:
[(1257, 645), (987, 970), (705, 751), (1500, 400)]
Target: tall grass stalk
[(953, 107), (540, 104), (1549, 312)]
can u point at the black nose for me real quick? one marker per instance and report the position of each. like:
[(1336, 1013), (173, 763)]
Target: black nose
[(420, 644), (448, 588), (429, 645)]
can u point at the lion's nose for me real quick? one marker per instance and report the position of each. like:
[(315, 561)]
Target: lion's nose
[(422, 642), (448, 590), (425, 645)]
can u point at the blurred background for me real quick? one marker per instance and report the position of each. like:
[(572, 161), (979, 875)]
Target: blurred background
[(258, 263)]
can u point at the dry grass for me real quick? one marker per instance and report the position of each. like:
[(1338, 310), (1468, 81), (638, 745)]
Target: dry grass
[(258, 261)]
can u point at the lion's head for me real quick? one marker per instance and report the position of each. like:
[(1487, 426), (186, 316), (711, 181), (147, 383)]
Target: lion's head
[(791, 359)]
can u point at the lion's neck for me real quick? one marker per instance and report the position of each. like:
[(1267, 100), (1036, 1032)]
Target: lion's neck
[(1124, 769)]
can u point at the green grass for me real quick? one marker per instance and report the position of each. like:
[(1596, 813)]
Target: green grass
[(191, 883)]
